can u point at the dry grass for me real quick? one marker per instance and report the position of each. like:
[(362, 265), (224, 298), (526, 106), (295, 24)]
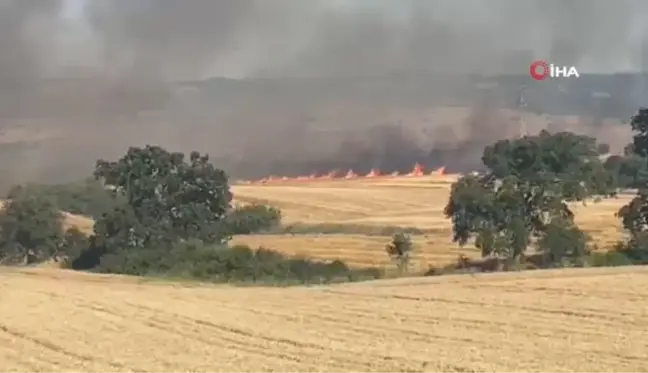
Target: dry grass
[(414, 202), (569, 320)]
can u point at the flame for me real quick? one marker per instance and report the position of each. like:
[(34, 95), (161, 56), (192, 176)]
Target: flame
[(439, 171), (373, 173), (350, 175), (417, 170)]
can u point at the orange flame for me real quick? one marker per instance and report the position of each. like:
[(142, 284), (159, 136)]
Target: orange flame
[(439, 171), (417, 170), (373, 173)]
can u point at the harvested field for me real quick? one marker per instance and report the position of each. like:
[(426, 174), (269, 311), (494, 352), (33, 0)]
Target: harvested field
[(358, 250), (390, 202), (402, 201), (568, 320)]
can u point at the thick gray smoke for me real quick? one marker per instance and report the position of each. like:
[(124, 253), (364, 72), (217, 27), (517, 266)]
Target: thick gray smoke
[(328, 84)]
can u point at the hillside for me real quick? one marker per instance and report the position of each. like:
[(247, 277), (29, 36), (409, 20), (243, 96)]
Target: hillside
[(568, 320)]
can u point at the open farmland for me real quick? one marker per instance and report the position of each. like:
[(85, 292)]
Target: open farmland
[(400, 201), (359, 209), (566, 320)]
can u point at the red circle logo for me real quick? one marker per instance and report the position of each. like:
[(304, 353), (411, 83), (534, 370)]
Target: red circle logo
[(539, 70)]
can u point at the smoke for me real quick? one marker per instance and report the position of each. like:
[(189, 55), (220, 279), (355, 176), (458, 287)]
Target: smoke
[(326, 84)]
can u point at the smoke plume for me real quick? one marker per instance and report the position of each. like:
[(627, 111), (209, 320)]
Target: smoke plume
[(303, 85)]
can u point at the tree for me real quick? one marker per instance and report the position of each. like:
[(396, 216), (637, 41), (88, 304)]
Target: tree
[(625, 169), (167, 200), (634, 215), (603, 149), (563, 243), (30, 227), (400, 250), (88, 197), (528, 183)]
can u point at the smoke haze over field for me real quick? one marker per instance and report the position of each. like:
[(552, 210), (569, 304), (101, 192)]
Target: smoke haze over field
[(329, 83)]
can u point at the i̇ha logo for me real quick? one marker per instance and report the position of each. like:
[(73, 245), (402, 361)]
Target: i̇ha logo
[(541, 70)]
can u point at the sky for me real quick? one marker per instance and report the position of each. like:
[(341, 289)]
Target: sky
[(73, 9), (611, 55), (131, 53)]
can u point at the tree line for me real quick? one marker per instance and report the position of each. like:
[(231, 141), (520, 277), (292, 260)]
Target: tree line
[(158, 212)]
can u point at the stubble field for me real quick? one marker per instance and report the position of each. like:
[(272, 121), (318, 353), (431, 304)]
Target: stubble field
[(405, 202), (569, 320), (554, 320)]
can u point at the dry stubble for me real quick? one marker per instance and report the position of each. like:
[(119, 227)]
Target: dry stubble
[(569, 320), (402, 201)]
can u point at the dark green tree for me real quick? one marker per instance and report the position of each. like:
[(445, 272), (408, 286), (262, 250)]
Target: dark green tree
[(603, 149), (88, 197), (30, 227), (625, 169), (563, 243), (634, 215), (527, 184), (168, 199)]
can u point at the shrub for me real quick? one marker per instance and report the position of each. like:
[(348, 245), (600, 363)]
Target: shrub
[(635, 249), (237, 264), (252, 219), (608, 259)]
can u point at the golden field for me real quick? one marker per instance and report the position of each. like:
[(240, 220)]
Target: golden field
[(402, 201), (393, 202), (555, 320)]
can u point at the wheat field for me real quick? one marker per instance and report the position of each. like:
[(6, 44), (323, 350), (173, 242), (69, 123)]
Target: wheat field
[(561, 321), (402, 201), (553, 320)]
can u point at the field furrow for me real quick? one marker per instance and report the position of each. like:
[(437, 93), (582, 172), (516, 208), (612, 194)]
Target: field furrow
[(558, 320)]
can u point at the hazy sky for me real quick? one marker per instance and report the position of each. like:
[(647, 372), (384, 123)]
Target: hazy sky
[(130, 51), (329, 36)]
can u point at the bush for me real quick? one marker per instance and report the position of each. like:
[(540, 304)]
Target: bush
[(237, 264), (608, 259), (252, 219), (636, 249)]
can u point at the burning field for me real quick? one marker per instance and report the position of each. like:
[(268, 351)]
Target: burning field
[(356, 211), (563, 320)]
